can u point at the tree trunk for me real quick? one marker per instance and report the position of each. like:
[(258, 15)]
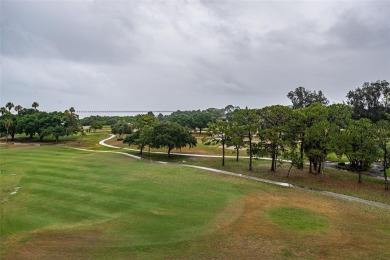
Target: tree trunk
[(273, 162), (322, 168), (223, 154), (319, 166), (311, 165), (237, 153), (384, 168), (360, 177), (250, 151), (301, 148), (288, 173), (315, 164)]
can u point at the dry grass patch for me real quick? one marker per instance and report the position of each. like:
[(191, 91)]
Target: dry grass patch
[(352, 231), (57, 245)]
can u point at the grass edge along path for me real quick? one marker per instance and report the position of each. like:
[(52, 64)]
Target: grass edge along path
[(284, 184)]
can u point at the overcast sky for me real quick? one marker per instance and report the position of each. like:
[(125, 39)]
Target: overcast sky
[(170, 55)]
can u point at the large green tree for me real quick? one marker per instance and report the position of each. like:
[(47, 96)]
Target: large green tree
[(141, 137), (95, 126), (273, 131), (71, 122), (371, 101), (182, 118), (144, 120), (248, 119), (302, 97), (319, 143), (382, 129), (121, 128), (8, 125), (237, 136), (218, 132), (172, 135), (340, 114), (314, 114), (201, 119), (358, 142), (27, 122)]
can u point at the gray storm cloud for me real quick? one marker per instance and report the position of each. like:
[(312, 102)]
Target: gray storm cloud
[(188, 54)]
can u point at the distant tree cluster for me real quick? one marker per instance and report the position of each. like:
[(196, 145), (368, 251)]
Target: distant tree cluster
[(148, 131), (31, 122), (197, 119), (104, 120)]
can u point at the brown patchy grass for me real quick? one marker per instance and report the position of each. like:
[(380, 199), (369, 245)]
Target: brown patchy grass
[(56, 245), (254, 236)]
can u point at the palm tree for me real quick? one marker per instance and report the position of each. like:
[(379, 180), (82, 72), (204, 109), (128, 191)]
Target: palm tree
[(35, 105), (8, 123), (18, 108), (9, 105), (3, 110)]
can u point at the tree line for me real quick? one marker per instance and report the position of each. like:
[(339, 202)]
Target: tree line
[(194, 119), (309, 130), (32, 122)]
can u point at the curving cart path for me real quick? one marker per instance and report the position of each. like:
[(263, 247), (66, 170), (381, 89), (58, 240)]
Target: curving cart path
[(283, 184)]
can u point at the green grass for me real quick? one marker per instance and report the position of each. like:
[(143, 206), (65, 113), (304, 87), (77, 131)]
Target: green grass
[(64, 187), (141, 203), (297, 219), (82, 205), (333, 157), (335, 180)]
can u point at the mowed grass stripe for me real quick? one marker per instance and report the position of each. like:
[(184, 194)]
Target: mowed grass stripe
[(62, 180), (104, 186), (88, 174), (39, 214), (62, 164), (106, 202), (117, 186)]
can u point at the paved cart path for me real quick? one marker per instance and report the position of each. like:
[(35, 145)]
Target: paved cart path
[(284, 184)]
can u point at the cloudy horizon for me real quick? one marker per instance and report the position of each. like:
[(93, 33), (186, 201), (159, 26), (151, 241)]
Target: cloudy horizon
[(185, 55)]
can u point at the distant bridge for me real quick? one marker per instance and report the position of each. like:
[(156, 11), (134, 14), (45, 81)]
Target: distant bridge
[(120, 111)]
